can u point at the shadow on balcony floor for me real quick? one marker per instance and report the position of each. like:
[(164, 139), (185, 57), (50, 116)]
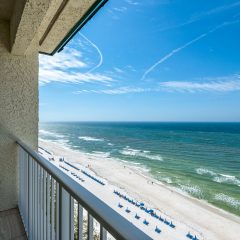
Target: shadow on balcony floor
[(11, 227)]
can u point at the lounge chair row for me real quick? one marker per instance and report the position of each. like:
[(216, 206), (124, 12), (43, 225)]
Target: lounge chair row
[(45, 150), (157, 229), (93, 178), (71, 165), (77, 176), (147, 210), (66, 169), (190, 236)]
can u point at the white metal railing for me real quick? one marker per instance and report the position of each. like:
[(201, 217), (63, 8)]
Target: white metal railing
[(54, 206)]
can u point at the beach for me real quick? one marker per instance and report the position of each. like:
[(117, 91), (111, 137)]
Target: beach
[(208, 221)]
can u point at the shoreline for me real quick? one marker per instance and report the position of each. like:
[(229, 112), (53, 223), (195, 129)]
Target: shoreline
[(204, 203), (211, 222)]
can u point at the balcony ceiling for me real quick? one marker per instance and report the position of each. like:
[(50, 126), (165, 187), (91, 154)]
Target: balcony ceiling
[(66, 16), (6, 9), (46, 24)]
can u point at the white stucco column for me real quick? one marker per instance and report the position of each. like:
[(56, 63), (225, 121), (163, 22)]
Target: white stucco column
[(18, 112)]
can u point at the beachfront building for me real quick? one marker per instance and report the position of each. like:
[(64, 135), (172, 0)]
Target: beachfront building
[(32, 190)]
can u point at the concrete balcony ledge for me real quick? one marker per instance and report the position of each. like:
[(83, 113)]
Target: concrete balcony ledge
[(11, 226)]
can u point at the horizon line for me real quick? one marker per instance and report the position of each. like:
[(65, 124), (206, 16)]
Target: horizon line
[(132, 121)]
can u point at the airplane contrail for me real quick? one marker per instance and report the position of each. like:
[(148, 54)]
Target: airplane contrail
[(176, 50), (99, 52), (173, 52)]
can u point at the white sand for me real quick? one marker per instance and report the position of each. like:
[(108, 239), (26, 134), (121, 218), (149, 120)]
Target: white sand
[(207, 221)]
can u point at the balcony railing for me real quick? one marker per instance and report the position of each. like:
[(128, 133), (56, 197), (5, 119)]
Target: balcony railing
[(54, 206)]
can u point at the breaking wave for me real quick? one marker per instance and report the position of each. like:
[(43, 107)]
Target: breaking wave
[(204, 171), (100, 154), (222, 178), (91, 139), (142, 169), (228, 200), (192, 189), (164, 178), (64, 143), (140, 153), (52, 134), (128, 162), (218, 177)]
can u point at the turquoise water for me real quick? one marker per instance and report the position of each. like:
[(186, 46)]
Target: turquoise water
[(202, 159)]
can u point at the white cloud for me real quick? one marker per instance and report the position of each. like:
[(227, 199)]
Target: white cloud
[(118, 70), (217, 10), (120, 9), (131, 68), (202, 15), (69, 58), (53, 75), (115, 91), (208, 86), (216, 84), (70, 66), (132, 2)]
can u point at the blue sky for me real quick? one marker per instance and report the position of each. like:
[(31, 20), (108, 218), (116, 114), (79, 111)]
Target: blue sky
[(149, 60)]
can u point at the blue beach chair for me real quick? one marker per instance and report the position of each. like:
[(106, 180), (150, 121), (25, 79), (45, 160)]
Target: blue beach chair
[(128, 210), (166, 222), (137, 217), (189, 235), (161, 219), (157, 230), (172, 225), (145, 222), (138, 204), (120, 205)]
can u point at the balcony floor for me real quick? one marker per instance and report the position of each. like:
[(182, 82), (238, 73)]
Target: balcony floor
[(11, 226)]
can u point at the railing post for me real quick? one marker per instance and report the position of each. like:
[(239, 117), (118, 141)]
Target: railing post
[(41, 203), (35, 201), (65, 214), (71, 218), (57, 211), (90, 227), (52, 208), (30, 192), (103, 233), (44, 206), (38, 203), (48, 207), (25, 172), (20, 178), (80, 222)]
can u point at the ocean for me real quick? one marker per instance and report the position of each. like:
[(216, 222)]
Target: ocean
[(201, 159)]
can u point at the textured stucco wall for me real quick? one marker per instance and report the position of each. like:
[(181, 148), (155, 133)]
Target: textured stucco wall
[(18, 112), (26, 18), (71, 14)]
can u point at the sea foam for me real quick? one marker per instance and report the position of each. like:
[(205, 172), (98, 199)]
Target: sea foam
[(192, 189), (228, 200), (47, 133), (140, 153), (91, 139), (223, 178), (204, 171), (219, 177), (100, 154)]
